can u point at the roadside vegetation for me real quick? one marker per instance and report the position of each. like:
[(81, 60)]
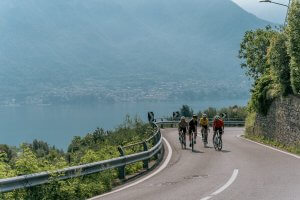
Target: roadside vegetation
[(96, 146), (271, 58)]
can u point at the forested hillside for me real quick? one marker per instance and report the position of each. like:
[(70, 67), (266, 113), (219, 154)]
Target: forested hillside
[(112, 50)]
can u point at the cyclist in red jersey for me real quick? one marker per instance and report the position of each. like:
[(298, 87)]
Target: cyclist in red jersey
[(218, 125)]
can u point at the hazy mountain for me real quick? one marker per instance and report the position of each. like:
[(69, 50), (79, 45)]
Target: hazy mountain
[(267, 11), (64, 51)]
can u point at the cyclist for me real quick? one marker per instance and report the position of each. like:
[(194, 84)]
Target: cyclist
[(182, 127), (218, 125), (204, 124), (193, 129)]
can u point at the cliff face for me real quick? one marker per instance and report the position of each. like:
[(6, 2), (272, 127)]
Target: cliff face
[(282, 123)]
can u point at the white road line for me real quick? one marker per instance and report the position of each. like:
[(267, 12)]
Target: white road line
[(287, 153), (224, 187), (206, 198), (163, 166)]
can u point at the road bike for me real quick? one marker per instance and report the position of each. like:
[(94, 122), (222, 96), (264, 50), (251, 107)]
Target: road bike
[(193, 140), (182, 139), (218, 141)]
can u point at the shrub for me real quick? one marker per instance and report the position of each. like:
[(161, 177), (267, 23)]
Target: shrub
[(250, 122), (263, 94)]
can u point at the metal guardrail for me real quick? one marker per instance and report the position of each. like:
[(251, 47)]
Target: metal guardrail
[(230, 122), (26, 181)]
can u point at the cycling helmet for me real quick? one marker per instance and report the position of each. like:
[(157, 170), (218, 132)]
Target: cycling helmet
[(204, 115), (182, 118), (194, 116), (217, 117)]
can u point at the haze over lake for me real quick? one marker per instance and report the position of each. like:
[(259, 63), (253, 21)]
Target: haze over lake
[(89, 61), (58, 124)]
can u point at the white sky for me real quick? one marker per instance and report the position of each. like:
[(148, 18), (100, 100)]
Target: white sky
[(267, 11)]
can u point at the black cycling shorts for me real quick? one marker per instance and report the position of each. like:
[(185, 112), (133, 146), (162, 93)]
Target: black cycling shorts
[(183, 129), (220, 130), (192, 130), (205, 126)]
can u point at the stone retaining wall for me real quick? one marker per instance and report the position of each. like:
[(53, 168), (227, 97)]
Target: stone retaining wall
[(282, 122)]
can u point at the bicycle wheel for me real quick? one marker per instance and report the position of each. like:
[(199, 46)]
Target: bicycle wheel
[(215, 141), (181, 141), (220, 143)]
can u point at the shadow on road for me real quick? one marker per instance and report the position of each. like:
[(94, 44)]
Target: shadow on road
[(225, 151), (197, 151)]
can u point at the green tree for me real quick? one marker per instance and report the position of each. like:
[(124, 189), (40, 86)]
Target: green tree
[(253, 51), (186, 111), (8, 151), (293, 34), (279, 60)]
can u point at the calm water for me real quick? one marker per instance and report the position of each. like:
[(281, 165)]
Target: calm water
[(58, 124)]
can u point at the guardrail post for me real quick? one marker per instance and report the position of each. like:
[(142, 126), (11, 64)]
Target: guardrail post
[(156, 139), (153, 125), (121, 169), (160, 153), (145, 162)]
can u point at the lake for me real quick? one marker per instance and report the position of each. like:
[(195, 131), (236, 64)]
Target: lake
[(58, 124)]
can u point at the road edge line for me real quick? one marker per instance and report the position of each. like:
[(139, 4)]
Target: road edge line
[(224, 187), (273, 148), (162, 167)]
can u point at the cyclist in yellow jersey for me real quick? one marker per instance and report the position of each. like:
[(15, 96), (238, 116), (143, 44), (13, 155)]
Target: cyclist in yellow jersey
[(204, 124)]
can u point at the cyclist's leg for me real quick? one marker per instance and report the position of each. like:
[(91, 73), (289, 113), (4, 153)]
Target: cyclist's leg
[(184, 135), (195, 136), (205, 135), (221, 133), (215, 132), (190, 135)]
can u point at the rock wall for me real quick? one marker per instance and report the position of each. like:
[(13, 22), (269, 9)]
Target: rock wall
[(282, 122)]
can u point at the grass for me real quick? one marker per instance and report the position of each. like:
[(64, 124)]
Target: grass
[(274, 143)]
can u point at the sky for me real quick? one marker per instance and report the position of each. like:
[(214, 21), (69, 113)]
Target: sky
[(267, 11)]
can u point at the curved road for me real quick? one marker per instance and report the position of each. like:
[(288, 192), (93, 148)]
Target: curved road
[(243, 170)]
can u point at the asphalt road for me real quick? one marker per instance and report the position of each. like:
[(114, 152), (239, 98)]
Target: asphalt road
[(243, 170)]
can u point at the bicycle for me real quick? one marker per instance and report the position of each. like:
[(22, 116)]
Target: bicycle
[(204, 132), (218, 141), (182, 139), (193, 140)]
